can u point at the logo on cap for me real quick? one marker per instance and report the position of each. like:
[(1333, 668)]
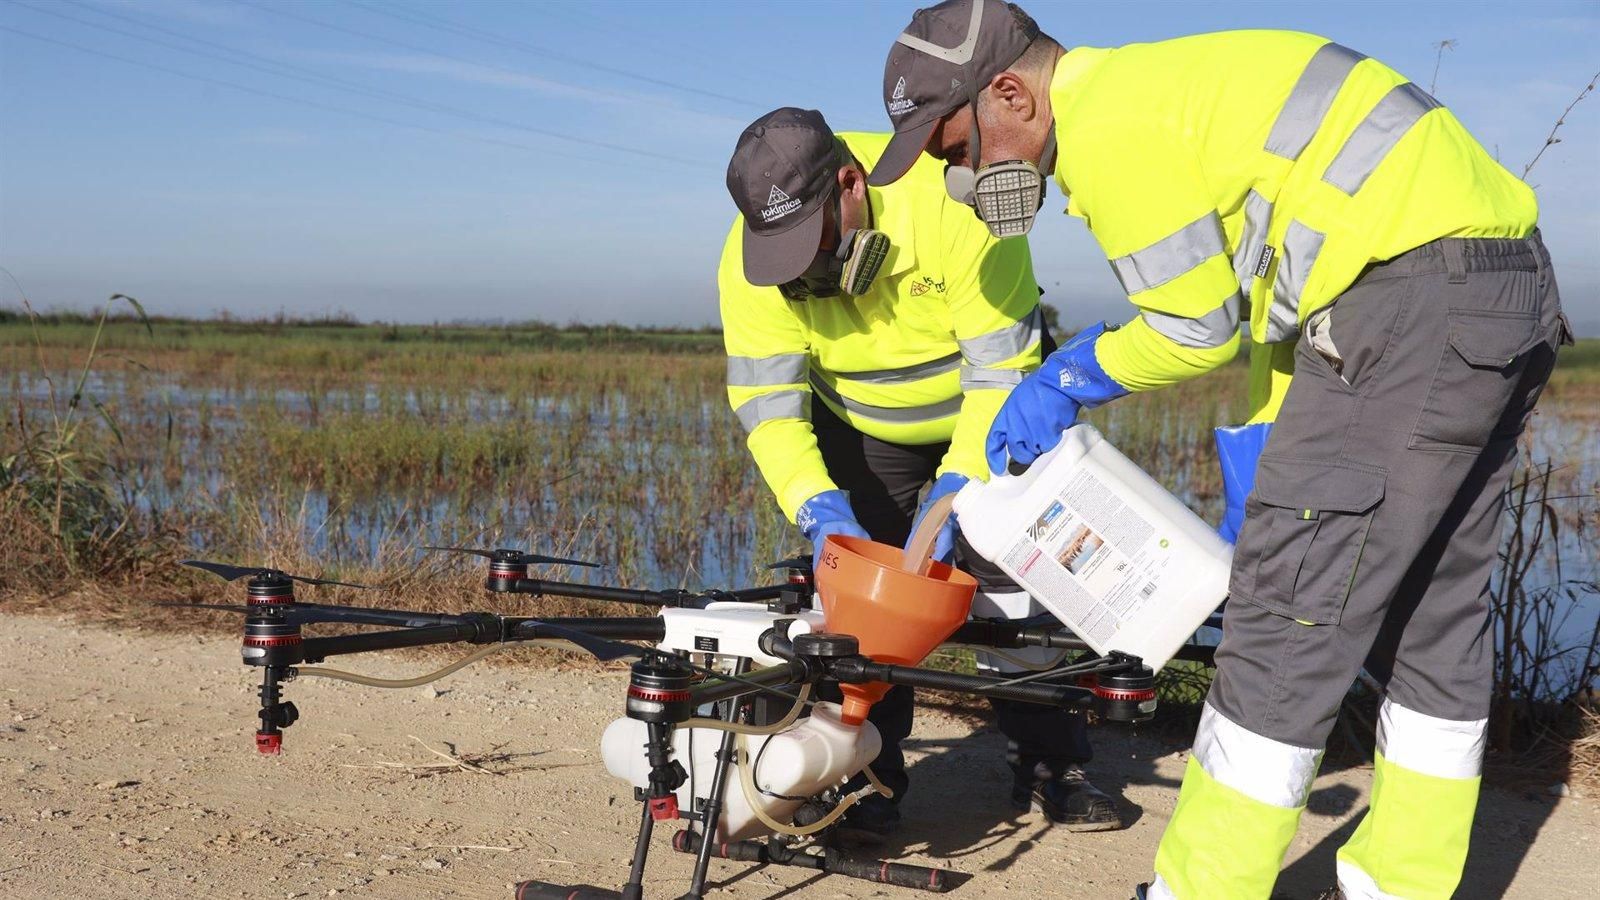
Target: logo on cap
[(898, 104), (779, 205)]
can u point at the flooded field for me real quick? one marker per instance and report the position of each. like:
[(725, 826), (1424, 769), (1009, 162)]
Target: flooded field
[(343, 450)]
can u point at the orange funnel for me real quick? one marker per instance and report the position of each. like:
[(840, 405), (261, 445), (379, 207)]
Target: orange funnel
[(897, 616)]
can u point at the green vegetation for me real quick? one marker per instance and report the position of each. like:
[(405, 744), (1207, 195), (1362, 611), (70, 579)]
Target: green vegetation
[(331, 447)]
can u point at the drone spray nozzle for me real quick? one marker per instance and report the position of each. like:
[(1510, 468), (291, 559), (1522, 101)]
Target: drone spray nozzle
[(276, 714)]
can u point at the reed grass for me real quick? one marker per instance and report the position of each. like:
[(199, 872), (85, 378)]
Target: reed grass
[(337, 449)]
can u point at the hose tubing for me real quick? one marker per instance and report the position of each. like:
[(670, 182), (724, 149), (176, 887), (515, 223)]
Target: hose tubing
[(463, 662)]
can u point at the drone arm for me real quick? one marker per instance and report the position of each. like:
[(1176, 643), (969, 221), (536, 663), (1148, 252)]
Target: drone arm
[(616, 628), (1004, 635), (859, 669), (791, 672), (676, 599), (541, 588), (367, 615), (477, 628)]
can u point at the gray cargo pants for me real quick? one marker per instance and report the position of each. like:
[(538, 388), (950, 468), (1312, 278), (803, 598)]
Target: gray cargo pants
[(1375, 519)]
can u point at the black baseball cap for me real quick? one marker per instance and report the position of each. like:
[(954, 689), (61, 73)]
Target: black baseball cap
[(947, 53), (783, 172)]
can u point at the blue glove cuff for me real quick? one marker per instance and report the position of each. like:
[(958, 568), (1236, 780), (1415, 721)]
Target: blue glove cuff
[(1074, 370), (1238, 450), (948, 483), (828, 506)]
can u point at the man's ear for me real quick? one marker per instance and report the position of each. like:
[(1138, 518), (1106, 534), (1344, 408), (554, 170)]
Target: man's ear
[(852, 182), (1012, 93)]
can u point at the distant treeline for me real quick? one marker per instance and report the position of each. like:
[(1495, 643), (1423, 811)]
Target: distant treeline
[(283, 320)]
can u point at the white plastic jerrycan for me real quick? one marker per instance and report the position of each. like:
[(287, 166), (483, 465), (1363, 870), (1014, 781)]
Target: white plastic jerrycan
[(1102, 545)]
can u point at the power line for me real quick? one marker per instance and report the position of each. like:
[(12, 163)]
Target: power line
[(341, 84), (441, 24), (414, 48), (286, 98)]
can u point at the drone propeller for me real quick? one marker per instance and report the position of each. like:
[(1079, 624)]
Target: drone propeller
[(296, 613), (603, 649), (224, 607), (517, 557), (793, 562), (233, 573)]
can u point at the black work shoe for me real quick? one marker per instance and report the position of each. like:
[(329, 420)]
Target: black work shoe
[(1069, 800), (869, 822)]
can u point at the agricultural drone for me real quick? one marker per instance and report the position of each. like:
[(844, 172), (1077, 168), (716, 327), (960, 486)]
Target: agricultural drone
[(712, 731)]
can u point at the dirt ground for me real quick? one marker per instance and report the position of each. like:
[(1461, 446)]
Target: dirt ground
[(128, 772)]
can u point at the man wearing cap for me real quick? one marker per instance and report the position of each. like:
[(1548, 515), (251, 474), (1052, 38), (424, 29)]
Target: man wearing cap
[(1286, 175), (910, 323)]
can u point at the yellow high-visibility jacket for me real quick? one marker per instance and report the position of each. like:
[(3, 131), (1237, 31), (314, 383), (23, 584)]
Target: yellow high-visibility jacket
[(927, 355), (1258, 170)]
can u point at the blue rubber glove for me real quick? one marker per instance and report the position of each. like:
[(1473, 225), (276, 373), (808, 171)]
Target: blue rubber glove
[(1238, 449), (1046, 403), (827, 513), (944, 546)]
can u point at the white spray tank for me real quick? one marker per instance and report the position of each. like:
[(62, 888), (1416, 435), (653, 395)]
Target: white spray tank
[(1102, 546), (812, 754)]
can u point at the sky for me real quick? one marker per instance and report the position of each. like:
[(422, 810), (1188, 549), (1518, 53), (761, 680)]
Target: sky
[(404, 160)]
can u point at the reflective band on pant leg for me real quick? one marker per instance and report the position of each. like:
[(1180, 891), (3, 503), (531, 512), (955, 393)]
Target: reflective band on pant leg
[(1443, 748), (1237, 812), (1413, 840)]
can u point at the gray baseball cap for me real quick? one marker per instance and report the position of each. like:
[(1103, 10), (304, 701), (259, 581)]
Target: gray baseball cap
[(783, 172), (947, 53)]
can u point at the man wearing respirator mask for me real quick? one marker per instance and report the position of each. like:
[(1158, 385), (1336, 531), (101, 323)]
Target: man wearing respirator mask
[(1286, 175), (871, 336)]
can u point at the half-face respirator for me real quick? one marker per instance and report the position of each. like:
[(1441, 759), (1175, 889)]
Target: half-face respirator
[(1006, 195), (850, 269)]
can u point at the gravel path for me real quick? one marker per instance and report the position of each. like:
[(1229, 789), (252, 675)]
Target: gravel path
[(128, 772)]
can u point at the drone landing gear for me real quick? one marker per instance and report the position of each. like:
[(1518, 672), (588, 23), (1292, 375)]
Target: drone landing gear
[(777, 852)]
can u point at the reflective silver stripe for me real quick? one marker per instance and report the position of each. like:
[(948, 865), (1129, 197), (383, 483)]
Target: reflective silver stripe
[(960, 54), (1213, 329), (906, 373), (776, 405), (1173, 255), (1247, 258), (1377, 134), (1255, 765), (1300, 248), (974, 378), (764, 371), (1002, 344), (1308, 103), (895, 414)]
